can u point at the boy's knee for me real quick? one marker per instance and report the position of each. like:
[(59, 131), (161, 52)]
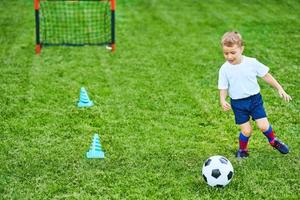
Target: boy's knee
[(264, 128), (263, 124), (247, 131)]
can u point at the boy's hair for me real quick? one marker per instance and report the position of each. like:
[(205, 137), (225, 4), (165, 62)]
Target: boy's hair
[(229, 39)]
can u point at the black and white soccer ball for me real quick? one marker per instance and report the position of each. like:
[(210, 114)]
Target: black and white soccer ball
[(217, 171)]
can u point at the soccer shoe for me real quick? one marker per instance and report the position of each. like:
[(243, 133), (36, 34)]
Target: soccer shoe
[(280, 146), (242, 154)]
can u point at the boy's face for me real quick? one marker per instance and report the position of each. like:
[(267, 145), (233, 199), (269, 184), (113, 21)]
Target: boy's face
[(233, 54)]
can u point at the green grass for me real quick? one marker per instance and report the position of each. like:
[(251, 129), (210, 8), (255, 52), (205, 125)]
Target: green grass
[(156, 104)]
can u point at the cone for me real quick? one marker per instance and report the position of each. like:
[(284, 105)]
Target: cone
[(96, 149), (84, 100)]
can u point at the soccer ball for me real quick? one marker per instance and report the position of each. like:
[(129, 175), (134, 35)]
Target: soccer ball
[(217, 171)]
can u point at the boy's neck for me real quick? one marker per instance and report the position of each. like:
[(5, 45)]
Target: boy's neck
[(239, 61)]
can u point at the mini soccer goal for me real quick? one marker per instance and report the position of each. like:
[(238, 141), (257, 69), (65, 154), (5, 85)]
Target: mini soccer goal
[(74, 23)]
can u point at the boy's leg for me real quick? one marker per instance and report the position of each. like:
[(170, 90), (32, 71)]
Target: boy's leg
[(264, 125), (244, 136)]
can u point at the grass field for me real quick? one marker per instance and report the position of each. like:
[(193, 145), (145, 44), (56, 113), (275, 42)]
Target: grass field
[(156, 104)]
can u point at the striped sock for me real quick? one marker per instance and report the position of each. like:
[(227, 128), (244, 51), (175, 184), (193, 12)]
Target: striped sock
[(243, 140), (270, 135)]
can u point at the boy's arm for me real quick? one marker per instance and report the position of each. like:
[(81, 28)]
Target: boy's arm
[(273, 82), (225, 105)]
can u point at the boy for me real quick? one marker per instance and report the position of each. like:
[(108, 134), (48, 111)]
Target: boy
[(237, 77)]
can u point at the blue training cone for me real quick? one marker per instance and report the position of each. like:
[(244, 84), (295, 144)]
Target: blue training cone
[(84, 100), (95, 150)]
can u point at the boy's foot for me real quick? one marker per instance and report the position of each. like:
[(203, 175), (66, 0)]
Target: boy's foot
[(280, 146), (242, 154)]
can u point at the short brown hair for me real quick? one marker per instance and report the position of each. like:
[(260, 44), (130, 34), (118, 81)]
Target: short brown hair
[(229, 39)]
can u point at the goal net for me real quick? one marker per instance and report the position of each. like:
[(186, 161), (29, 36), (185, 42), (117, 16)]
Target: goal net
[(74, 23)]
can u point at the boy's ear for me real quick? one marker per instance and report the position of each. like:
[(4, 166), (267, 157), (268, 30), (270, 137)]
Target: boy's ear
[(242, 48)]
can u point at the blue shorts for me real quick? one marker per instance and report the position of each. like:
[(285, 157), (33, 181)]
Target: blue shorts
[(246, 107)]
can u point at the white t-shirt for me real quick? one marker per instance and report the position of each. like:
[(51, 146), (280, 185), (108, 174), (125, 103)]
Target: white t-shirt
[(240, 79)]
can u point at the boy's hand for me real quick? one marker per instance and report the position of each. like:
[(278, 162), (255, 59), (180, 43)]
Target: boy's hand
[(284, 95), (226, 106)]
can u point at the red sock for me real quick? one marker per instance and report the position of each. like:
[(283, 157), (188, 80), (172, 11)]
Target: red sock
[(270, 134), (243, 140)]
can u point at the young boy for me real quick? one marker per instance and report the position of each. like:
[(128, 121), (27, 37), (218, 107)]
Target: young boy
[(237, 77)]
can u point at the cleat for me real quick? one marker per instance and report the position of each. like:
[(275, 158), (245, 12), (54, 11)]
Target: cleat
[(280, 146), (242, 154)]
